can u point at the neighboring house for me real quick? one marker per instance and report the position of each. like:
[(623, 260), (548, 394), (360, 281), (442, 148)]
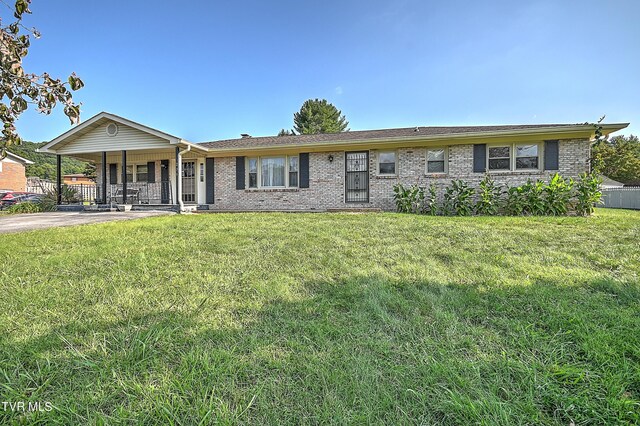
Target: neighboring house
[(608, 183), (77, 179), (12, 172), (356, 169)]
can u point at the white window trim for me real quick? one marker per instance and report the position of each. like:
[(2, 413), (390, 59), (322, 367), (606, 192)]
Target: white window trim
[(259, 172), (512, 157), (387, 151), (135, 172), (446, 160)]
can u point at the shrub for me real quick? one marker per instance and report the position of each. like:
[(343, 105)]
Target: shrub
[(408, 200), (431, 201), (533, 197), (514, 203), (27, 207), (488, 197), (587, 193), (557, 195), (457, 198)]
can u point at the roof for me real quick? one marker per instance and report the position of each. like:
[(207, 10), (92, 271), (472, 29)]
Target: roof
[(411, 136), (407, 133), (607, 181), (102, 117), (18, 158)]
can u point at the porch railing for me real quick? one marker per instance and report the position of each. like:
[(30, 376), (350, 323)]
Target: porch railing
[(138, 193)]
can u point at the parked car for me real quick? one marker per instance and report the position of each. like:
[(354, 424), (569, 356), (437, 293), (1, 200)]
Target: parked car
[(11, 198)]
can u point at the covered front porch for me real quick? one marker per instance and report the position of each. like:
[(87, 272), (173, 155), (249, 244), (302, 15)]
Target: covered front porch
[(135, 164)]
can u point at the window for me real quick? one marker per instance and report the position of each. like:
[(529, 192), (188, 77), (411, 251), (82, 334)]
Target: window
[(387, 163), (253, 172), (499, 158), (201, 172), (273, 172), (129, 174), (436, 160), (74, 179), (142, 173), (526, 157), (517, 156), (293, 171)]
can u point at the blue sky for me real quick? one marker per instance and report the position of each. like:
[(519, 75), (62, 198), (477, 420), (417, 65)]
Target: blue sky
[(207, 70)]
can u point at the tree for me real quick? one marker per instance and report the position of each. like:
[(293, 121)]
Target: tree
[(319, 116), (285, 132), (18, 89), (44, 165), (618, 158)]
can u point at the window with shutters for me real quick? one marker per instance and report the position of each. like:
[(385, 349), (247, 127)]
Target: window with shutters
[(436, 160), (142, 173), (513, 157), (293, 171), (526, 156), (499, 158), (253, 172), (273, 172)]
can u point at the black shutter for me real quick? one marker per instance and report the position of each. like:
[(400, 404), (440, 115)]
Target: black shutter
[(551, 155), (209, 174), (113, 174), (480, 158), (151, 172), (304, 170), (240, 173)]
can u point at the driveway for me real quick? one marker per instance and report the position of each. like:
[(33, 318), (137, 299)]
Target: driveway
[(29, 222)]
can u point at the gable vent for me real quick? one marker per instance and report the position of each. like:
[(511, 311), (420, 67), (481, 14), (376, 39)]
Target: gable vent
[(112, 129)]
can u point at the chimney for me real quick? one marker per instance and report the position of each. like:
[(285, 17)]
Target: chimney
[(245, 135)]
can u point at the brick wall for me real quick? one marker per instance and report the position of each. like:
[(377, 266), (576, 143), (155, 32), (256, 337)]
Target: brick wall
[(12, 175), (326, 179)]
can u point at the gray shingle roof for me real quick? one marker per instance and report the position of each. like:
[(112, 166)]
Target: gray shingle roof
[(256, 142)]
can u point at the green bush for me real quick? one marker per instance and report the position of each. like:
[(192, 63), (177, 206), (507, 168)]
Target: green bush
[(488, 197), (458, 199), (557, 195), (408, 200), (587, 193), (27, 207), (514, 203), (431, 201), (533, 197)]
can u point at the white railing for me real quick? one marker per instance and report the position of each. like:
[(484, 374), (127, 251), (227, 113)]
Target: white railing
[(622, 198)]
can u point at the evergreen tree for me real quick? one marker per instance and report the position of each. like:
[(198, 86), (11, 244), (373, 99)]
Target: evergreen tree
[(319, 116)]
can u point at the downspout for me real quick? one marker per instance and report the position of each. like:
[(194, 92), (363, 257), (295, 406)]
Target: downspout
[(179, 195)]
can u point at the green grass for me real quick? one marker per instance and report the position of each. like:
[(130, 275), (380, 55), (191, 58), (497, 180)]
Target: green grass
[(325, 318)]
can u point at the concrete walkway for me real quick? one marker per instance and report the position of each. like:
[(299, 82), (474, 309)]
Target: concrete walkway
[(28, 222)]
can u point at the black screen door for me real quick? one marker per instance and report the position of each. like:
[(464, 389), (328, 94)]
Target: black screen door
[(357, 177), (189, 181)]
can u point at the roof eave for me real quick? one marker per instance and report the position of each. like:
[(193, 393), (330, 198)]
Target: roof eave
[(577, 131)]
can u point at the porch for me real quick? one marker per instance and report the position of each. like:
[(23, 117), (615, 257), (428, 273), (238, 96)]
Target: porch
[(135, 165)]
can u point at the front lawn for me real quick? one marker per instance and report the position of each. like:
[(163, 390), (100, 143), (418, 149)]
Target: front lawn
[(325, 318)]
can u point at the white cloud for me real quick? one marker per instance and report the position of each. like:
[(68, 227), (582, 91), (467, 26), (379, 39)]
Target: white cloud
[(338, 90)]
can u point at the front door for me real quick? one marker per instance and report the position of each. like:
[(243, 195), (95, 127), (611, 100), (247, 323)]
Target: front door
[(189, 181), (165, 184), (356, 177)]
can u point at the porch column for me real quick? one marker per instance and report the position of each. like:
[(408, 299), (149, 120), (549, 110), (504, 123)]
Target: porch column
[(124, 176), (58, 179), (104, 177), (178, 177)]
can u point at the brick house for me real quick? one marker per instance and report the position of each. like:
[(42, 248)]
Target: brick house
[(12, 173), (138, 165)]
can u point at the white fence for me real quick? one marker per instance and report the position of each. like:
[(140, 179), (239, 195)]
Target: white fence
[(621, 198)]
